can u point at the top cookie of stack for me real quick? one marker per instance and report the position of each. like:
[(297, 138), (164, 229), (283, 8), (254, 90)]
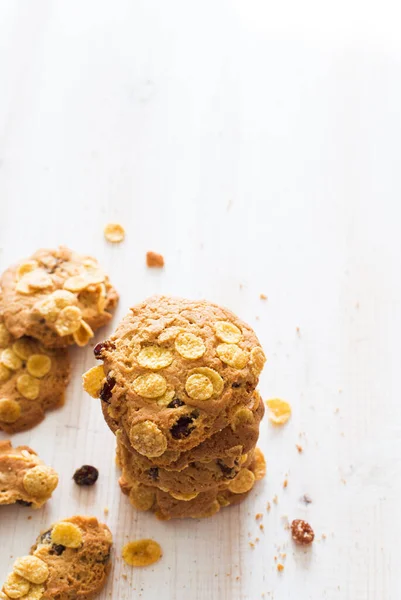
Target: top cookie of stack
[(175, 372), (58, 297)]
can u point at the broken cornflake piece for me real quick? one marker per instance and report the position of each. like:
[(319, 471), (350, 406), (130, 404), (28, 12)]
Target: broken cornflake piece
[(263, 297), (114, 233), (302, 532), (154, 260), (258, 516), (280, 567), (299, 448), (285, 483), (279, 411)]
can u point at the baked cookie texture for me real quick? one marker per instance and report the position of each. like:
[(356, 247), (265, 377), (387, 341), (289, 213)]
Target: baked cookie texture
[(69, 561), (33, 379), (58, 297), (24, 478), (176, 371), (177, 386)]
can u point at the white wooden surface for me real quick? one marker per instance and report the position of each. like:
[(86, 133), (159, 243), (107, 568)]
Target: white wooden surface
[(257, 146)]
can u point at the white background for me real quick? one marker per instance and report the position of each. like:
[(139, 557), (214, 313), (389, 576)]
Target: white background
[(255, 144)]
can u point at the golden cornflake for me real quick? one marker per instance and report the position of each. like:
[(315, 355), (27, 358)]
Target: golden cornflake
[(10, 410), (114, 233), (215, 378), (148, 439), (242, 416), (67, 534), (16, 586), (222, 500), (40, 481), (155, 357), (141, 553), (5, 336), (169, 334), (199, 387), (190, 346), (259, 464), (77, 283), (243, 482), (212, 509), (232, 355), (31, 568), (51, 306), (26, 267), (24, 347), (39, 365), (227, 332), (10, 360), (279, 411), (28, 386), (141, 497), (68, 320), (150, 385), (4, 373), (83, 334), (35, 592), (34, 280), (183, 497), (166, 398), (257, 360), (93, 381)]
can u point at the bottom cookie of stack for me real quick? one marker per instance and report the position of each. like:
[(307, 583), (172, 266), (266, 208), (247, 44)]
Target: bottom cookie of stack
[(175, 505)]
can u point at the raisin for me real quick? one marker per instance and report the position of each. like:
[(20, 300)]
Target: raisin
[(23, 503), (86, 475), (228, 472), (182, 428), (105, 392), (153, 473), (106, 345), (175, 403), (57, 549)]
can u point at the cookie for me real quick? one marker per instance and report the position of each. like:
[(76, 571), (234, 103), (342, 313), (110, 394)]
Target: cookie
[(227, 445), (204, 504), (70, 561), (24, 478), (58, 297), (32, 380), (174, 373)]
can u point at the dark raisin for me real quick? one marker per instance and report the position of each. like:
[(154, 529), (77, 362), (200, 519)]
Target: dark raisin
[(175, 403), (105, 392), (182, 428), (228, 472), (153, 473), (57, 549), (235, 385), (86, 475), (46, 537), (106, 345), (23, 503)]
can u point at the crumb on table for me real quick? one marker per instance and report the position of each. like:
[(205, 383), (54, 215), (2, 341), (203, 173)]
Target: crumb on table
[(154, 260)]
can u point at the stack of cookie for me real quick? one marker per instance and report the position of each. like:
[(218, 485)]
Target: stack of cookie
[(178, 388), (49, 301)]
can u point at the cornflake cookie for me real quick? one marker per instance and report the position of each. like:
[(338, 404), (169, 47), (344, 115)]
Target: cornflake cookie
[(24, 478), (175, 372), (58, 297), (204, 504), (32, 380), (69, 561)]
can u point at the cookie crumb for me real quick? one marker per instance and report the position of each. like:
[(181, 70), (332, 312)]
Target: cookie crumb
[(263, 297), (258, 516), (252, 545), (299, 448), (298, 331), (324, 536), (261, 527), (280, 567), (302, 533), (275, 499), (306, 499), (285, 483), (154, 260), (268, 507), (106, 510), (114, 233)]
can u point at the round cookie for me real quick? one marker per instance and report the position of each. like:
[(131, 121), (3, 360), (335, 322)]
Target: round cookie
[(24, 478), (32, 380), (70, 561), (205, 504), (197, 477), (175, 371), (58, 297)]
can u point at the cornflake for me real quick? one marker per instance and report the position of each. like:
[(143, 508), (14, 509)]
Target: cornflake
[(28, 386), (141, 553), (67, 534), (190, 346), (243, 482), (227, 332), (148, 439), (199, 387), (114, 233), (83, 334), (150, 385), (40, 481), (155, 357), (38, 365), (10, 360), (16, 586), (31, 568), (279, 411), (10, 410), (232, 355), (141, 497), (93, 381)]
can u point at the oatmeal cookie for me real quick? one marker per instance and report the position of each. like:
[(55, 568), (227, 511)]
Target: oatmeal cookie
[(24, 478), (58, 297)]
